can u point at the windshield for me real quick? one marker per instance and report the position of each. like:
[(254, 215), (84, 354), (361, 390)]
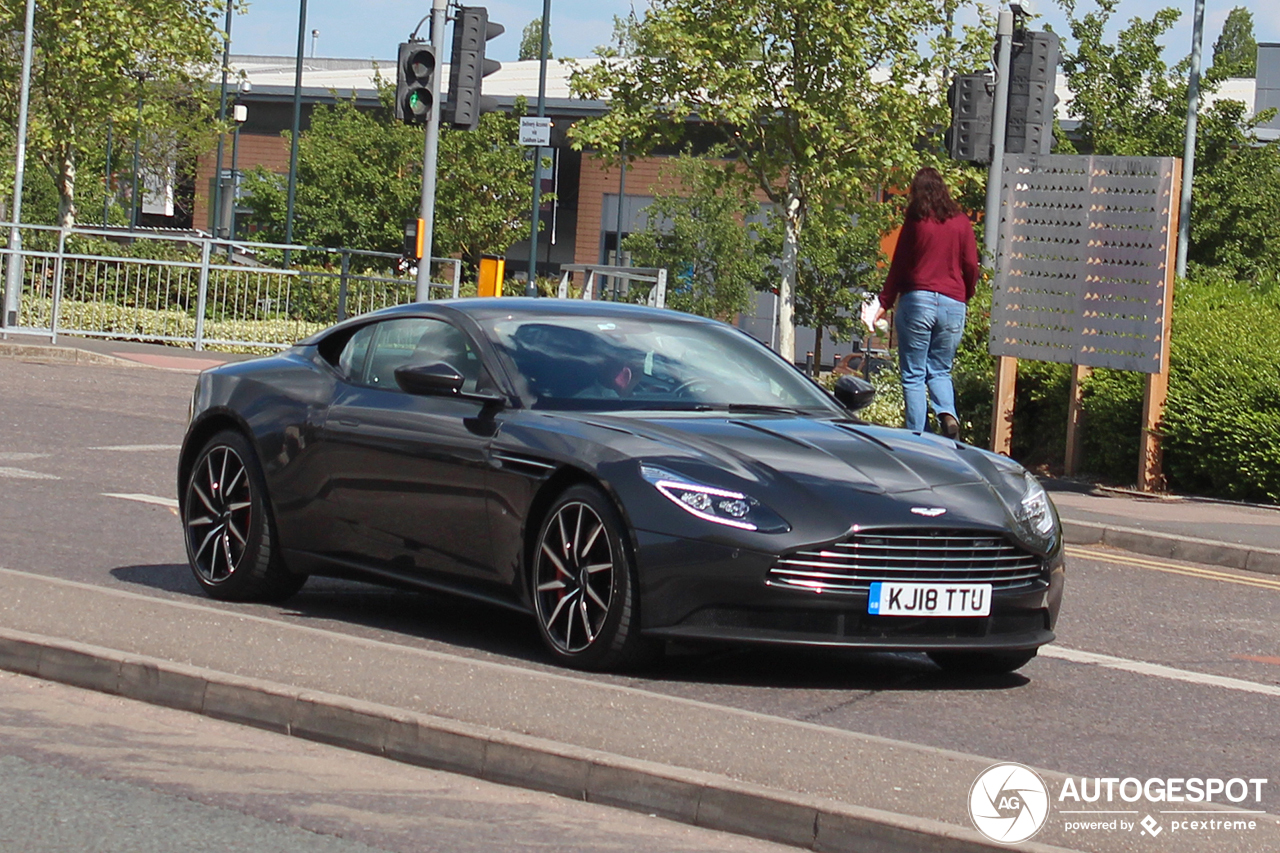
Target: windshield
[(601, 363)]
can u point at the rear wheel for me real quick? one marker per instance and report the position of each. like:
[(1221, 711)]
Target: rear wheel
[(229, 531), (982, 663), (583, 585)]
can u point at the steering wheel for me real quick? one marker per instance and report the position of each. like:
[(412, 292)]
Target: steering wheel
[(684, 388)]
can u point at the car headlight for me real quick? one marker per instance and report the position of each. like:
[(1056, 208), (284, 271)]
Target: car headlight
[(710, 503), (1034, 510)]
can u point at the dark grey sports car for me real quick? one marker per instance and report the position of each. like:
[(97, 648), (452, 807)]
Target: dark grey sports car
[(627, 475)]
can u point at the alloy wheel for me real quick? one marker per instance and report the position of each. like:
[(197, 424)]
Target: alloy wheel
[(574, 580), (219, 512)]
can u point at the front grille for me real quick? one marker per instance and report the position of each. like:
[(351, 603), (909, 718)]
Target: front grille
[(908, 556)]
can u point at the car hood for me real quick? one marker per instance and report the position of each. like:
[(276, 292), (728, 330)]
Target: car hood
[(812, 451), (826, 476)]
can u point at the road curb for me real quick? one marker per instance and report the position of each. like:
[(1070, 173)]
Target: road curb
[(689, 796), (53, 354), (1173, 547)]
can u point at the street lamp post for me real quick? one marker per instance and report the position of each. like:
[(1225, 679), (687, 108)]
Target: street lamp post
[(293, 137), (222, 118), (240, 115), (135, 200)]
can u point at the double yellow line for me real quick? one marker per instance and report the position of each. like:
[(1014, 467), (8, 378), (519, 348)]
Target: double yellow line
[(1172, 568)]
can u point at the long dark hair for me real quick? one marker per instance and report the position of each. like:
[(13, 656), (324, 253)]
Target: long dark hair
[(930, 198)]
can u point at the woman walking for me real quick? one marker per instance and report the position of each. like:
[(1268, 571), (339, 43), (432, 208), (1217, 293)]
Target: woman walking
[(931, 279)]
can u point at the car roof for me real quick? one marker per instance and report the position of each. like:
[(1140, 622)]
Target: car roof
[(481, 309)]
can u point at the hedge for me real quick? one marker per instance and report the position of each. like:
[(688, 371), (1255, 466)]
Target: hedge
[(1221, 427)]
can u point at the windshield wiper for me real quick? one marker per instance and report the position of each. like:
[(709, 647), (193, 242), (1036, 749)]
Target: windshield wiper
[(762, 407)]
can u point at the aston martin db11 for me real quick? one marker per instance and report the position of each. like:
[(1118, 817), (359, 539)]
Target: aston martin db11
[(628, 476)]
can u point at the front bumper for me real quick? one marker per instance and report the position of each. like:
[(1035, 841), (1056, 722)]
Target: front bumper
[(696, 591)]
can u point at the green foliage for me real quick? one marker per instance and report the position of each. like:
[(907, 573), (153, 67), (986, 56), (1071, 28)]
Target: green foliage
[(698, 235), (839, 261), (820, 101), (1131, 103), (88, 56), (1112, 403), (1235, 50), (1222, 424), (360, 178), (531, 41), (1222, 421)]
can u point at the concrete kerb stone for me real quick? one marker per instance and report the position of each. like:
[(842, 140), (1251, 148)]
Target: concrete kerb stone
[(1171, 547), (690, 796), (53, 354)]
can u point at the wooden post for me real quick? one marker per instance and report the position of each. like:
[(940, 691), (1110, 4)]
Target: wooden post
[(1156, 388), (1079, 373), (1002, 407)]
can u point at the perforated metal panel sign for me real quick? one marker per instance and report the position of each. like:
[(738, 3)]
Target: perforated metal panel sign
[(1083, 260)]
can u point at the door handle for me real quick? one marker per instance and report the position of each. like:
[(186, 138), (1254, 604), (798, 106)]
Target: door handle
[(351, 422)]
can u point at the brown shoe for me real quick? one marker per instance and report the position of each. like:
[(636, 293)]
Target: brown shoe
[(950, 426)]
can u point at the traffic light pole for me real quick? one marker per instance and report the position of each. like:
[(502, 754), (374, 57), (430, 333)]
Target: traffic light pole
[(13, 264), (1006, 367), (999, 118), (427, 205), (531, 283)]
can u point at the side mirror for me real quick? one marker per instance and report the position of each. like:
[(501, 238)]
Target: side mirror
[(437, 379), (853, 392)]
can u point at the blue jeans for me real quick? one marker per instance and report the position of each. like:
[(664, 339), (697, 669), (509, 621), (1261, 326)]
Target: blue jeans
[(929, 328)]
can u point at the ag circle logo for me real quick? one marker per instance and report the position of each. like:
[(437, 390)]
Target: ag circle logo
[(1009, 803)]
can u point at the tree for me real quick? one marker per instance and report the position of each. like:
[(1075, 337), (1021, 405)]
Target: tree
[(531, 41), (1131, 103), (360, 178), (838, 265), (696, 231), (815, 99), (1235, 48), (91, 59)]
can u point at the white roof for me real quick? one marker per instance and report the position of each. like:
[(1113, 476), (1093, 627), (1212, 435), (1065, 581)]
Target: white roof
[(521, 78), (347, 75)]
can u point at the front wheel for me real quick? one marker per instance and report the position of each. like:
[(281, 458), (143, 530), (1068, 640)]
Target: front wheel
[(583, 584), (982, 663), (229, 532)]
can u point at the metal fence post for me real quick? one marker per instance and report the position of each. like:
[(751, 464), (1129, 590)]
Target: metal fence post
[(457, 276), (342, 286), (202, 295), (59, 264)]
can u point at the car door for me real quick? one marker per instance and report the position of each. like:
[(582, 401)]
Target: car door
[(407, 482)]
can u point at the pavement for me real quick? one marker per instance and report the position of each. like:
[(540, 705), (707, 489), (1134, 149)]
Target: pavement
[(662, 755)]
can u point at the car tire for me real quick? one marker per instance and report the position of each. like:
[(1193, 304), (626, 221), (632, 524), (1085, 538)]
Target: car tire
[(982, 663), (583, 585), (227, 525)]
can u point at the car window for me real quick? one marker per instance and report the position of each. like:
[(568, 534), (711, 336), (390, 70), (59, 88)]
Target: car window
[(574, 362), (352, 358), (410, 340)]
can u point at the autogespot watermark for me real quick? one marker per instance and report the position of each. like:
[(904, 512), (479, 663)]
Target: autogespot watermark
[(1010, 803)]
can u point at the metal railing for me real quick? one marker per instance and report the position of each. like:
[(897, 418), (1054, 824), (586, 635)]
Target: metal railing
[(622, 278), (195, 290)]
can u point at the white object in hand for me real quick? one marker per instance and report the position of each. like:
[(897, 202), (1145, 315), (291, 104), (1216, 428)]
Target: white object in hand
[(882, 325)]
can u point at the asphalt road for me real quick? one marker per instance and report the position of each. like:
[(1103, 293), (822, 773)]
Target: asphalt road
[(70, 437)]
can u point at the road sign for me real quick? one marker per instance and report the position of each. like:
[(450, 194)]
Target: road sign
[(535, 131)]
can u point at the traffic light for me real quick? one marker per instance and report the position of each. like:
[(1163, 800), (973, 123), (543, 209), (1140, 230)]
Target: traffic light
[(972, 105), (1033, 77), (415, 71), (467, 67), (413, 236)]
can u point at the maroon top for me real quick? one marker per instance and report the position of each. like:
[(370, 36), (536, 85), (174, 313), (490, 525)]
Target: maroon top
[(932, 255)]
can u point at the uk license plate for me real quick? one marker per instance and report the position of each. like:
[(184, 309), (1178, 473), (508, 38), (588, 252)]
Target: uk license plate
[(929, 599)]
